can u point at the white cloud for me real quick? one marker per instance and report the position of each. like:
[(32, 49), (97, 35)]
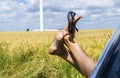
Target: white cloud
[(55, 11), (68, 4), (100, 3), (13, 12), (23, 7), (94, 12), (81, 12), (118, 10), (95, 16), (4, 8), (33, 2)]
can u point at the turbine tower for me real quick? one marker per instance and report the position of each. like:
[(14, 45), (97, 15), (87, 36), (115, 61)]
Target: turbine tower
[(41, 15)]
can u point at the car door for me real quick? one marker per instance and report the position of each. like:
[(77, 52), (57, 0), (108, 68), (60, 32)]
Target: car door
[(109, 62)]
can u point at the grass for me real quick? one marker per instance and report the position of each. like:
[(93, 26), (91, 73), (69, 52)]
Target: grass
[(25, 54)]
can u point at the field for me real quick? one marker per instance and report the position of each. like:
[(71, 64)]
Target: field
[(25, 54)]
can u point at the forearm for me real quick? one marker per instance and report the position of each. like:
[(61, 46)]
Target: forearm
[(85, 63), (70, 58)]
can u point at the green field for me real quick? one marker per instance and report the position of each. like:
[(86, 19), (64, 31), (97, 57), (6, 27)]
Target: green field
[(25, 54)]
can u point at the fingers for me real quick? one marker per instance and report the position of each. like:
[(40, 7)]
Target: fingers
[(60, 34), (75, 20), (64, 32), (67, 41), (66, 27), (62, 37)]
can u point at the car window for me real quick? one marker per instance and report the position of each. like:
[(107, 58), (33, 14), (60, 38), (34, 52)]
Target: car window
[(109, 62), (115, 69)]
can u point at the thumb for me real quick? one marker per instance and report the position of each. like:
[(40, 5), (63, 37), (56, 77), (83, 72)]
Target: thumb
[(75, 20), (64, 32)]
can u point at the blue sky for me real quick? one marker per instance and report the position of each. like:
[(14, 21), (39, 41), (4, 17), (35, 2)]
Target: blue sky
[(18, 15), (97, 14)]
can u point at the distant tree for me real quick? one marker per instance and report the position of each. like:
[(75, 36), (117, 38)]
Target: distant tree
[(27, 29)]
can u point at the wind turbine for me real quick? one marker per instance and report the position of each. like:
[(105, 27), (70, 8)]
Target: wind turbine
[(41, 15)]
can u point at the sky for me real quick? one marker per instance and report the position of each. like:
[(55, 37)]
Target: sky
[(18, 15), (97, 14)]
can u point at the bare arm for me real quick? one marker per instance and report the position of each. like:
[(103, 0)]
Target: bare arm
[(85, 63), (75, 55)]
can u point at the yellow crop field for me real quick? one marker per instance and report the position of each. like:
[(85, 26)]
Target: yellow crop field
[(25, 54)]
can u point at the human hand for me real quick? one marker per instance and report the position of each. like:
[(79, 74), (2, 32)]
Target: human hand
[(75, 20), (57, 45)]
